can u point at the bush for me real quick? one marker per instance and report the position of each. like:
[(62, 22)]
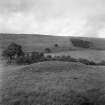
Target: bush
[(47, 50), (48, 56), (12, 51), (23, 60), (101, 63), (92, 63), (56, 45), (36, 56), (29, 59), (80, 43), (20, 60), (84, 61)]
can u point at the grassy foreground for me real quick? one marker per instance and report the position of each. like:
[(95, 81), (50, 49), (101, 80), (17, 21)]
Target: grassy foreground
[(53, 83)]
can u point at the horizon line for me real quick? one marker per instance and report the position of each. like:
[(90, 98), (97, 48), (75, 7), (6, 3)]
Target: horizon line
[(48, 35)]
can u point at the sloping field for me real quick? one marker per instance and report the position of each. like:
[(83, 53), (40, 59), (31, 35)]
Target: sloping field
[(35, 42), (91, 55), (39, 42), (53, 83)]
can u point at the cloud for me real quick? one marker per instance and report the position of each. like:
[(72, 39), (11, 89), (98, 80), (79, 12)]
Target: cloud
[(22, 23), (59, 17), (94, 25)]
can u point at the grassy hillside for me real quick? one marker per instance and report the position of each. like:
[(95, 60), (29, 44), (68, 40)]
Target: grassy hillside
[(98, 43), (35, 42), (53, 83), (32, 42), (91, 55)]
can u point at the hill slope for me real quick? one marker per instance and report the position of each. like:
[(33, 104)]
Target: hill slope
[(53, 83), (32, 42)]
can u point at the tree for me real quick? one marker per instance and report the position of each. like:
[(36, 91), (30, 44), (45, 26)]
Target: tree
[(37, 56), (47, 50), (56, 45), (12, 51), (81, 43)]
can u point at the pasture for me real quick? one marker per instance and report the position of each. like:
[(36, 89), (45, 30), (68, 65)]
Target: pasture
[(53, 83), (37, 42), (91, 55)]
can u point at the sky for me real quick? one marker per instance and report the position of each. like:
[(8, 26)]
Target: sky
[(53, 17)]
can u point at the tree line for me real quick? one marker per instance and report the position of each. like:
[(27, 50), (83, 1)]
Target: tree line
[(81, 43)]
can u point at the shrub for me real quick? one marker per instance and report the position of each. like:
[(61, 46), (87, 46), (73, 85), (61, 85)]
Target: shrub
[(23, 60), (12, 51), (80, 43), (101, 63), (84, 61), (20, 60), (56, 45), (36, 56), (92, 63), (48, 56), (29, 59), (47, 50)]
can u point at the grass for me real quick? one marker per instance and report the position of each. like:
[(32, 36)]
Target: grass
[(38, 42), (35, 42), (47, 98), (53, 83), (91, 55)]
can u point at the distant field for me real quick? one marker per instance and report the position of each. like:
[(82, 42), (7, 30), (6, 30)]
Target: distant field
[(94, 55), (53, 83), (35, 42)]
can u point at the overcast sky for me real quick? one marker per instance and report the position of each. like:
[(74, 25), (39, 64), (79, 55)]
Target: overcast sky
[(53, 17)]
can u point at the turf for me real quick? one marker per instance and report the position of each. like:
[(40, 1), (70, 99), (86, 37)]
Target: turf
[(39, 42), (53, 83)]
